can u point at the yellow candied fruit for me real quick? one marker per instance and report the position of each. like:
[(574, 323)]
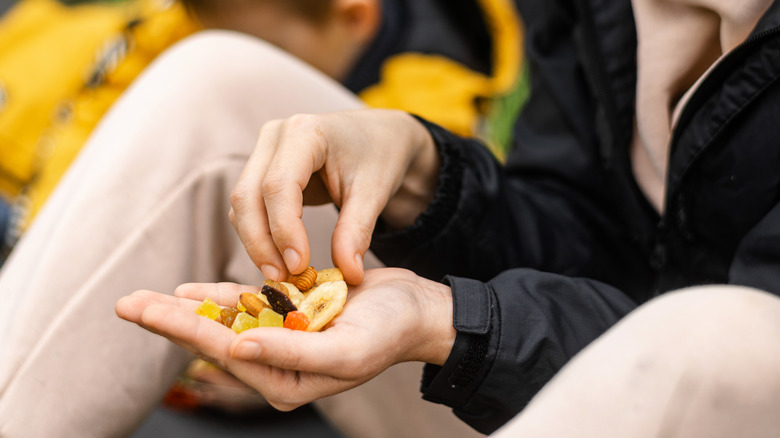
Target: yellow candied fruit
[(244, 321), (269, 318), (240, 306), (209, 309)]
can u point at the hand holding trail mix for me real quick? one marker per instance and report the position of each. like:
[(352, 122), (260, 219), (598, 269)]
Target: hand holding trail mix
[(307, 301)]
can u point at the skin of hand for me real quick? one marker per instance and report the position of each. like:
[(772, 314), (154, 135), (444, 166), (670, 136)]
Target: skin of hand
[(393, 316), (367, 162)]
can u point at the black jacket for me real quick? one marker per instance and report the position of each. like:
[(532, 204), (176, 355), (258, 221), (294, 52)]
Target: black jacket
[(547, 252)]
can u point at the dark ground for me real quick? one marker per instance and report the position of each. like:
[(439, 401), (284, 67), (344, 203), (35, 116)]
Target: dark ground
[(303, 422)]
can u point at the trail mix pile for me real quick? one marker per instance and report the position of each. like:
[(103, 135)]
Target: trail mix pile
[(307, 301)]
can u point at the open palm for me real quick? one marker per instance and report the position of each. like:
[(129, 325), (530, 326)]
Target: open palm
[(393, 316)]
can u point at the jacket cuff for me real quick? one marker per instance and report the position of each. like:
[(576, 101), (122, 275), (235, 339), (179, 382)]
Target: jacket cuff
[(455, 382)]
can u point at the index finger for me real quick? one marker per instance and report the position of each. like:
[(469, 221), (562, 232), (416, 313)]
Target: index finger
[(248, 214), (300, 154)]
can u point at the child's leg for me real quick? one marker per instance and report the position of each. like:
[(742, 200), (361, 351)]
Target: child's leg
[(144, 207), (701, 362)]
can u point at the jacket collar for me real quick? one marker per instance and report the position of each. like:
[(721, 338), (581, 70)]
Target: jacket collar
[(770, 20)]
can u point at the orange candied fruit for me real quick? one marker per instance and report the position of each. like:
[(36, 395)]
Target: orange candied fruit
[(296, 320)]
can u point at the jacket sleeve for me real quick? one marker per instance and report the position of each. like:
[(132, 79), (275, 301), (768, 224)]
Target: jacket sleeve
[(758, 255), (515, 327), (488, 217), (514, 333), (560, 201), (540, 251)]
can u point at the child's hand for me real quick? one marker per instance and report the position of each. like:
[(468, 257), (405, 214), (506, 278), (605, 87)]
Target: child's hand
[(368, 163)]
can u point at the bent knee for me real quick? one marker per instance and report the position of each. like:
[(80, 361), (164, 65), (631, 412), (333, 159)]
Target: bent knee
[(722, 339), (215, 58), (725, 340), (724, 311), (708, 356)]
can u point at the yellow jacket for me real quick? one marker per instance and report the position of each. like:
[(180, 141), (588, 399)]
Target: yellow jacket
[(61, 68)]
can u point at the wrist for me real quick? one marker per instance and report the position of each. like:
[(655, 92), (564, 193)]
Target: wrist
[(435, 325), (418, 186)]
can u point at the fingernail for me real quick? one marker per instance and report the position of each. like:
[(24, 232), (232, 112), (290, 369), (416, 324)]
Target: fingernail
[(291, 259), (270, 272), (247, 350)]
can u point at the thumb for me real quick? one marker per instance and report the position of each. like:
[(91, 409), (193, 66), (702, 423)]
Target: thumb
[(312, 352), (352, 236)]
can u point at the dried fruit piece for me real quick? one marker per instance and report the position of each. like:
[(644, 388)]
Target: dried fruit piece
[(263, 299), (305, 280), (323, 303), (296, 320), (252, 303), (329, 274), (228, 315), (209, 309), (244, 321), (288, 289), (279, 302), (269, 318)]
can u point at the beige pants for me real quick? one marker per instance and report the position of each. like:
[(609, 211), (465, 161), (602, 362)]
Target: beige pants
[(145, 206)]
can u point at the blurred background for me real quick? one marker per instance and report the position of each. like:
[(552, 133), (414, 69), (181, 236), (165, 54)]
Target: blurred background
[(4, 4)]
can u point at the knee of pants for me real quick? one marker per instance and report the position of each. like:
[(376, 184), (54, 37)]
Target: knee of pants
[(722, 339), (230, 65), (218, 59), (714, 313)]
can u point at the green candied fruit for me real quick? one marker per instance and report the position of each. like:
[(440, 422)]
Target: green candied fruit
[(244, 321), (209, 309), (269, 318)]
